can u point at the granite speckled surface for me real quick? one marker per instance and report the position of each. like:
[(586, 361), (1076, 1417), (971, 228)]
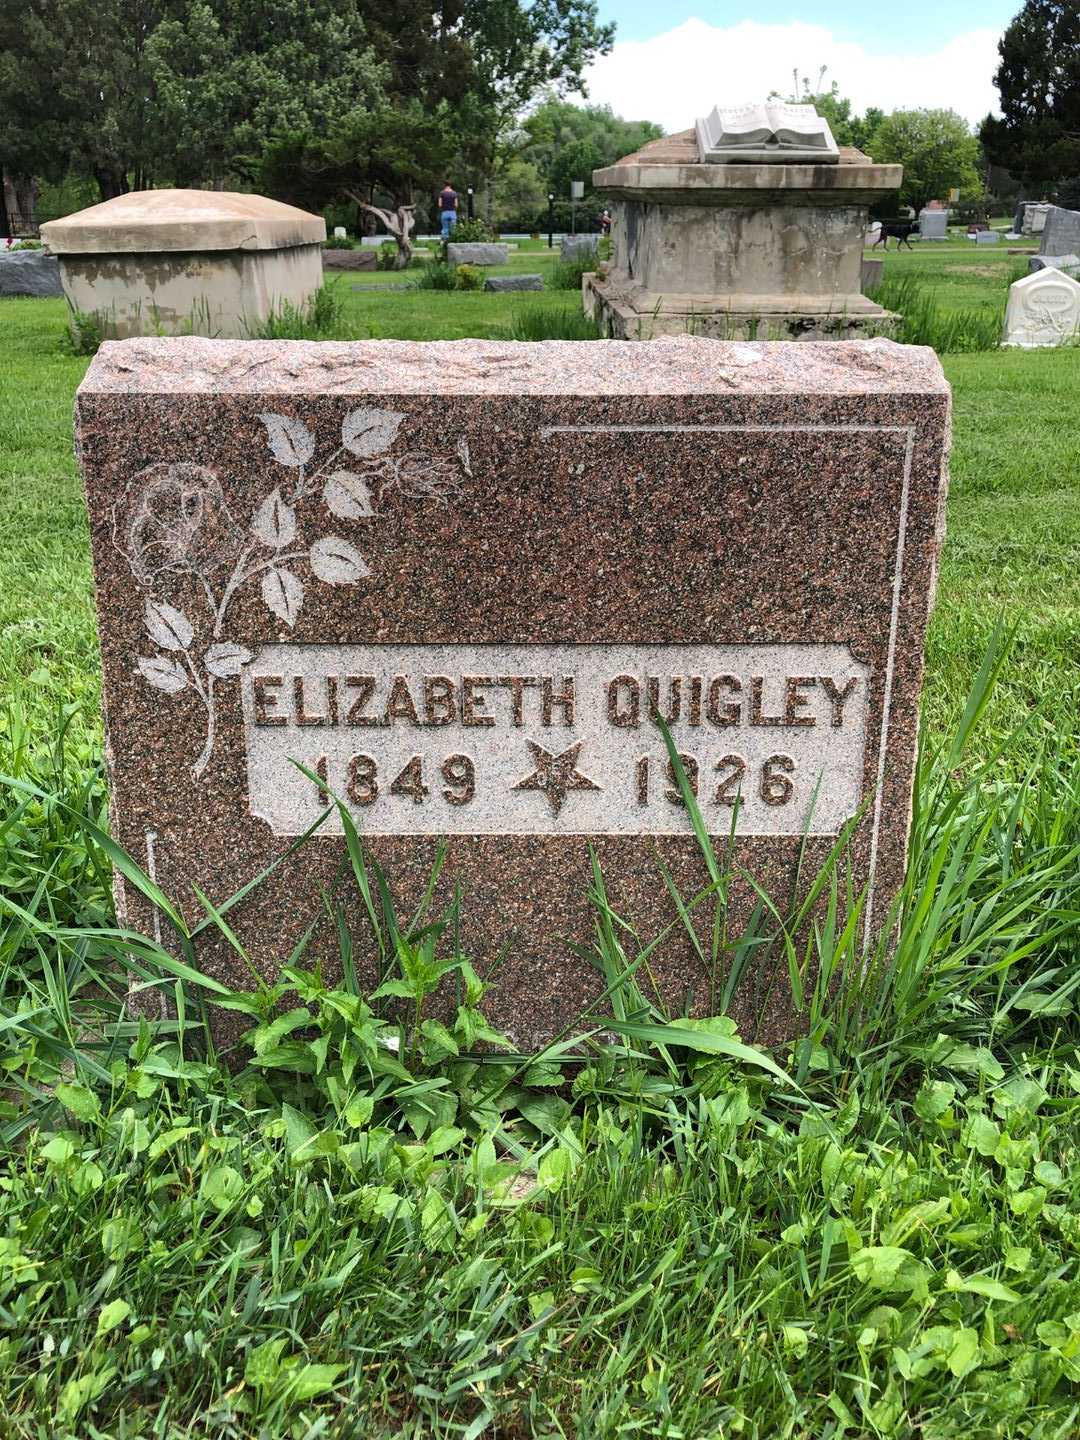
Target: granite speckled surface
[(680, 492)]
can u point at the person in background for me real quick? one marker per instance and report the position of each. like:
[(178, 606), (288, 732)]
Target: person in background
[(448, 203), (605, 223)]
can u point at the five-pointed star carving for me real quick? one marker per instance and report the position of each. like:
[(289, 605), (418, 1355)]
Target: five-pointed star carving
[(555, 775)]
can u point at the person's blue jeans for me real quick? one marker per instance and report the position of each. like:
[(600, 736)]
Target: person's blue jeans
[(449, 220)]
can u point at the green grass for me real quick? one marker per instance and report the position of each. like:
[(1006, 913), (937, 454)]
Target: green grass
[(667, 1239)]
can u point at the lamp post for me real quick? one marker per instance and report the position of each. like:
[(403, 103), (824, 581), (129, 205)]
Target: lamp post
[(472, 204), (577, 192), (551, 222)]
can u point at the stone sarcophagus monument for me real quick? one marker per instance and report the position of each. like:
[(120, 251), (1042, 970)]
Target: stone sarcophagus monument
[(748, 226)]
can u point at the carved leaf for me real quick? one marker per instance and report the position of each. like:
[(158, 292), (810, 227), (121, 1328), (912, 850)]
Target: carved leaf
[(337, 562), (463, 456), (169, 628), (370, 431), (292, 442), (275, 522), (162, 673), (225, 659), (283, 593), (348, 495)]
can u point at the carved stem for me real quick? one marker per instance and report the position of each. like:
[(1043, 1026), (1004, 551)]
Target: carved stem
[(211, 716)]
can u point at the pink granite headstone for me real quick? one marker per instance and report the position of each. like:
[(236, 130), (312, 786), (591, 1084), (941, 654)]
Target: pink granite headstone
[(457, 579)]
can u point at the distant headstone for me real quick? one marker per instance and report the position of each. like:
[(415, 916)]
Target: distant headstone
[(514, 282), (349, 260), (1061, 233), (987, 237), (573, 247), (29, 272), (1043, 309), (340, 233), (1067, 263), (1034, 219), (458, 580), (933, 224), (1018, 219), (475, 253), (203, 262)]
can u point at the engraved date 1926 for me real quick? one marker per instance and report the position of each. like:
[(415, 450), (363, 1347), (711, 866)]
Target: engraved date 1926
[(735, 776)]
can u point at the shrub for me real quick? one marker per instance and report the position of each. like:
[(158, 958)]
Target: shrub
[(435, 275), (567, 273), (468, 277), (387, 255), (340, 242)]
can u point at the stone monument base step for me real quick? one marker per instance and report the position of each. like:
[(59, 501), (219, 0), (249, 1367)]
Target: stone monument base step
[(640, 315)]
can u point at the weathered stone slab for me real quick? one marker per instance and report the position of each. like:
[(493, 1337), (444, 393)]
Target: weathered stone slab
[(514, 282), (1067, 263), (987, 237), (349, 259), (572, 247), (457, 581), (871, 274), (1043, 309), (1061, 233), (476, 253), (29, 272), (934, 224)]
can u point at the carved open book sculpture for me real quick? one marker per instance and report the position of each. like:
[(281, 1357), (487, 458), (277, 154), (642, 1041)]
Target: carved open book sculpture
[(771, 132)]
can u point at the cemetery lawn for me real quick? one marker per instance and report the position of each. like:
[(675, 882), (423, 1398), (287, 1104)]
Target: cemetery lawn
[(672, 1240)]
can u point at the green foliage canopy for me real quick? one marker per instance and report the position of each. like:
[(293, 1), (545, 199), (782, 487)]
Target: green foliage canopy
[(1037, 136), (936, 149)]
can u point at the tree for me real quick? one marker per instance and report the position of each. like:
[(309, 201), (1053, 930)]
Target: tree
[(568, 142), (936, 149), (183, 91), (225, 80), (1038, 135), (455, 73)]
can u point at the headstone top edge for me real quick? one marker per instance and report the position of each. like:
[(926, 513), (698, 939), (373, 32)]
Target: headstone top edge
[(680, 365)]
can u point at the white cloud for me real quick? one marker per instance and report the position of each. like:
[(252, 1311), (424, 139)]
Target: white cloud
[(681, 74)]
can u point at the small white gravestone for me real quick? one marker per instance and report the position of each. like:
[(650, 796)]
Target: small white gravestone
[(1043, 309), (340, 233), (773, 132)]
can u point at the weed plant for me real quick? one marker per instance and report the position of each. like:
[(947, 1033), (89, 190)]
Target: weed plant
[(567, 274), (652, 1228), (320, 318), (536, 322), (924, 320)]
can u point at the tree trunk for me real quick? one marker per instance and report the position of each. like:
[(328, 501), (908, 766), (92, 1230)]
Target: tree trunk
[(5, 220), (111, 182), (398, 222)]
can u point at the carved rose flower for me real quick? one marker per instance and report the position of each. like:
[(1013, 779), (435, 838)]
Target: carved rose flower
[(173, 520)]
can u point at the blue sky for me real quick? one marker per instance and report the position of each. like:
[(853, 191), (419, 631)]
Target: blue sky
[(875, 24), (675, 60)]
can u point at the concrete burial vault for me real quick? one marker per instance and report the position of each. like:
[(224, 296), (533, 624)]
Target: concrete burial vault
[(186, 262), (762, 240)]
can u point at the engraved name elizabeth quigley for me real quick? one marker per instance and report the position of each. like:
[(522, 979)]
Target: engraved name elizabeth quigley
[(175, 528), (535, 738)]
